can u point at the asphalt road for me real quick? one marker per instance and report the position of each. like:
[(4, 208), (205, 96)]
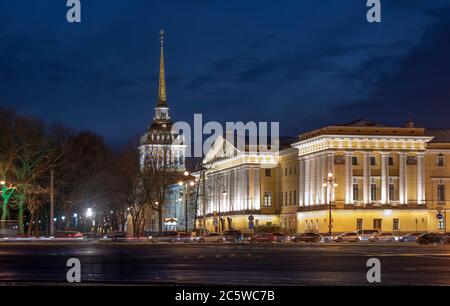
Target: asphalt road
[(182, 264)]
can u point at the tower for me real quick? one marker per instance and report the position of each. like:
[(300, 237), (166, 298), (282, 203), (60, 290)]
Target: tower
[(160, 140)]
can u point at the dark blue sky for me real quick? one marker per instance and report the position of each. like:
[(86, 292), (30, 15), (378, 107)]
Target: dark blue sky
[(304, 63)]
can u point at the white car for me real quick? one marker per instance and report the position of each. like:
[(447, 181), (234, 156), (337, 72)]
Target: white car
[(350, 236), (390, 237), (212, 237), (366, 235)]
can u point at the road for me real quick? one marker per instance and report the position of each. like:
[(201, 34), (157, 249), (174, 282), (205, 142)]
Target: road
[(185, 264)]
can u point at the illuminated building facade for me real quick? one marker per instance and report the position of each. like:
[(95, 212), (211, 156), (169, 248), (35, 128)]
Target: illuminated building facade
[(396, 179)]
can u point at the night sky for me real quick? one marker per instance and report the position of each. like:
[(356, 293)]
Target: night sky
[(304, 63)]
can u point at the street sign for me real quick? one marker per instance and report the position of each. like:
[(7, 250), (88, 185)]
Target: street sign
[(251, 218), (216, 222), (440, 216), (251, 225)]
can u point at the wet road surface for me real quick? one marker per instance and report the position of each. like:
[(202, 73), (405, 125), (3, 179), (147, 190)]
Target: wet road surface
[(194, 264)]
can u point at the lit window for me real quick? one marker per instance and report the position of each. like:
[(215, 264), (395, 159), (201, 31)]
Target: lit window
[(373, 192), (359, 224), (268, 199), (391, 161), (377, 223), (441, 193), (355, 192), (440, 160), (396, 225), (391, 192)]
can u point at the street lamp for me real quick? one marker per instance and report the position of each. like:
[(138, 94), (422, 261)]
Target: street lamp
[(186, 190), (330, 183), (89, 213)]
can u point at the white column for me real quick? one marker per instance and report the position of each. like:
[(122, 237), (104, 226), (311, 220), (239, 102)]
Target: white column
[(318, 180), (301, 182), (256, 189), (246, 191), (402, 186), (366, 178), (312, 182), (330, 165), (324, 176), (307, 179), (420, 179), (348, 178), (384, 178)]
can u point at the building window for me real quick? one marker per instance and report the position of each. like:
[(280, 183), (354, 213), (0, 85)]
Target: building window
[(396, 224), (295, 170), (391, 192), (441, 225), (359, 224), (282, 203), (373, 192), (290, 170), (268, 172), (285, 198), (267, 199), (440, 160), (295, 197), (373, 161), (285, 171), (391, 161), (354, 160), (377, 224), (441, 193), (290, 197), (355, 192)]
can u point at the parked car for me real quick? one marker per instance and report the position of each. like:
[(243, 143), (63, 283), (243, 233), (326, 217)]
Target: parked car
[(91, 236), (307, 237), (366, 235), (430, 238), (263, 237), (280, 237), (411, 237), (233, 235), (164, 237), (116, 236), (390, 237), (185, 237), (212, 237), (247, 237), (350, 236), (69, 234), (326, 238)]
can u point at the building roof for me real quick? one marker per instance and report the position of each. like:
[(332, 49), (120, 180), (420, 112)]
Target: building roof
[(362, 123), (440, 135)]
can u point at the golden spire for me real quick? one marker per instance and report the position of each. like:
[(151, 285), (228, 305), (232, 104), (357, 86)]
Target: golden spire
[(162, 98)]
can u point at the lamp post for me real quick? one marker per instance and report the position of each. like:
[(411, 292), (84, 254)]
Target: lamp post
[(330, 184), (186, 194)]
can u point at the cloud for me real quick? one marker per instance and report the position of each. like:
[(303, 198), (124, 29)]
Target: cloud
[(419, 84)]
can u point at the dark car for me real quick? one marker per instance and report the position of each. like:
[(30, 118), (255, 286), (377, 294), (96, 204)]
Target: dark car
[(411, 237), (263, 237), (116, 236), (233, 235), (280, 237), (171, 236), (91, 236), (430, 238), (69, 234), (307, 237)]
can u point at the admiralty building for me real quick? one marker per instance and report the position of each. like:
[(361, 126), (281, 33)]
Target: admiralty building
[(373, 177)]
